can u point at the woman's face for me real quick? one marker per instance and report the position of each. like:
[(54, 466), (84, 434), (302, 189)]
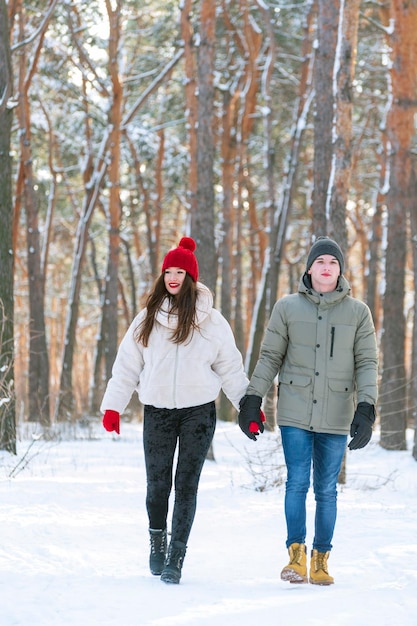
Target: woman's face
[(173, 278)]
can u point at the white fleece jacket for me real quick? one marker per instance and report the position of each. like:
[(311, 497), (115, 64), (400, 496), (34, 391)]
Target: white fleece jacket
[(169, 375)]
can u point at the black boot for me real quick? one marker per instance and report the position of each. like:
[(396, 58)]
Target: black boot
[(173, 564), (158, 550)]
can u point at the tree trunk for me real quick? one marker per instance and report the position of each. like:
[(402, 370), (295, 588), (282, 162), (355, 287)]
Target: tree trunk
[(7, 392), (400, 130), (38, 375), (190, 100), (342, 127), (93, 182), (413, 385), (228, 151), (392, 396), (373, 295), (327, 32), (202, 224), (152, 244), (110, 309)]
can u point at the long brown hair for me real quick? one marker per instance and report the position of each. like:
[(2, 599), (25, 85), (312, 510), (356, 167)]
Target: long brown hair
[(183, 306)]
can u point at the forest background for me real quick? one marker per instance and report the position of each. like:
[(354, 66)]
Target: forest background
[(253, 126)]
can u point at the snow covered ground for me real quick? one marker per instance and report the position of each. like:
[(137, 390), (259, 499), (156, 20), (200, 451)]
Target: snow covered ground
[(74, 539)]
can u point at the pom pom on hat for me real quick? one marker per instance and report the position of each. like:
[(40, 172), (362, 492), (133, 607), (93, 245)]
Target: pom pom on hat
[(325, 245), (188, 243), (183, 257)]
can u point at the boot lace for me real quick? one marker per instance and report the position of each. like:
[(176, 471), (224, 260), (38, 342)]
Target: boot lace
[(297, 554), (176, 557), (158, 542), (321, 562)]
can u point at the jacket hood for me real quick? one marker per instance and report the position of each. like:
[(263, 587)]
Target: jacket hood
[(342, 290), (203, 308)]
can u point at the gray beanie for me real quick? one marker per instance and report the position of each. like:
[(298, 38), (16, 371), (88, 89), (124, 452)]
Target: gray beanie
[(325, 245)]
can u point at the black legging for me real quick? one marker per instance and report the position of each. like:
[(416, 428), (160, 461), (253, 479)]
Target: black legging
[(194, 428)]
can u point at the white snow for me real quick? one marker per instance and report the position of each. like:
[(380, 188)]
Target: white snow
[(74, 539)]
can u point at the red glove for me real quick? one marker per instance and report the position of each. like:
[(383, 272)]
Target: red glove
[(254, 426), (111, 421)]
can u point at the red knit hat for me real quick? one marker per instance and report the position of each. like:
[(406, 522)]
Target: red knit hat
[(183, 257)]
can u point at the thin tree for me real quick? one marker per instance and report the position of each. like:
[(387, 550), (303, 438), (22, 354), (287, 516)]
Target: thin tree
[(400, 200), (343, 73), (7, 396), (96, 170), (327, 37), (38, 376), (109, 310), (202, 223), (191, 100), (413, 385)]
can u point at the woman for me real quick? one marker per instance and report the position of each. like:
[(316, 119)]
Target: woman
[(178, 353)]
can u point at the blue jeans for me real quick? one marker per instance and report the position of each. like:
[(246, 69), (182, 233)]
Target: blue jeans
[(302, 448)]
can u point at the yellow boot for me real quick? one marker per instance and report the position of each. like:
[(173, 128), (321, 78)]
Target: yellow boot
[(319, 574), (296, 570)]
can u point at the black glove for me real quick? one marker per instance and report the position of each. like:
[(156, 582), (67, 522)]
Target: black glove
[(361, 427), (250, 411)]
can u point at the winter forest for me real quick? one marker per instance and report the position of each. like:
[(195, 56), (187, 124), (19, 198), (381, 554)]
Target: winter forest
[(252, 126)]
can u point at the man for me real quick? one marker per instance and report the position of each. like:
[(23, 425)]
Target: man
[(321, 341)]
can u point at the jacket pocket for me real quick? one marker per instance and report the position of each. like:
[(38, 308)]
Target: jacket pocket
[(294, 395), (340, 404)]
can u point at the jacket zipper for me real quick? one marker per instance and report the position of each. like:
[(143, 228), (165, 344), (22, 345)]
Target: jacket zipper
[(174, 391), (332, 331)]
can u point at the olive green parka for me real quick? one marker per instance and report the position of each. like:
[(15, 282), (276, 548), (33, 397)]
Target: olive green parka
[(323, 348)]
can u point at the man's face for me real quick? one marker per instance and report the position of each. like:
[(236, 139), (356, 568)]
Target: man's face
[(324, 273)]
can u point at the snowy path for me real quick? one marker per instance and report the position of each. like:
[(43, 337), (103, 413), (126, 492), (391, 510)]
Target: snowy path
[(74, 547)]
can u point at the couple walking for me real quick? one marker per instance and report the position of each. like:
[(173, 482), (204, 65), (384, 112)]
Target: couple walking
[(179, 352)]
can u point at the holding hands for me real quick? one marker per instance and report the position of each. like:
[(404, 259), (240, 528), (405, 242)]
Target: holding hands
[(251, 418)]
